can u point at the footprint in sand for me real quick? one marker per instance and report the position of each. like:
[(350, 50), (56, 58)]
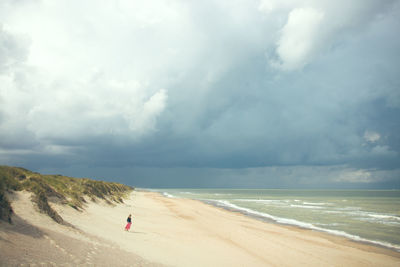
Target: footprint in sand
[(91, 254), (63, 250)]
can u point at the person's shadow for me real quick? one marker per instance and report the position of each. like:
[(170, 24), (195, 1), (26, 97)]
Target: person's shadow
[(135, 232)]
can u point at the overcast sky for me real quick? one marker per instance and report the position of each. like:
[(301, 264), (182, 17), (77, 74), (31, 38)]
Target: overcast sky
[(211, 93)]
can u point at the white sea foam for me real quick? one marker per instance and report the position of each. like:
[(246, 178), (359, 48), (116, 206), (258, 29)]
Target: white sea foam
[(328, 224), (306, 206), (374, 217), (168, 195), (383, 216), (317, 203), (227, 204), (385, 222), (260, 200), (349, 208), (379, 218), (332, 211)]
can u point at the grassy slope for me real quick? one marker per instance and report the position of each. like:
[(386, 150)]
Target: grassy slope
[(67, 190)]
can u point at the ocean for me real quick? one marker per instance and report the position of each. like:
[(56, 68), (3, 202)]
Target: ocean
[(371, 216)]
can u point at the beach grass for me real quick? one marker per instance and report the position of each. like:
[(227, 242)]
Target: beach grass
[(56, 188)]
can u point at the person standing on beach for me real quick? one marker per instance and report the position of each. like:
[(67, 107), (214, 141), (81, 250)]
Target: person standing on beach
[(129, 223)]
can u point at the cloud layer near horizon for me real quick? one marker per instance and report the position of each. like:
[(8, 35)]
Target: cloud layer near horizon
[(224, 85)]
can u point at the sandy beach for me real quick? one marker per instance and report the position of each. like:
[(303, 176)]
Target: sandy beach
[(170, 232)]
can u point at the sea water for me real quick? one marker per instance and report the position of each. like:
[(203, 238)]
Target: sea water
[(371, 216)]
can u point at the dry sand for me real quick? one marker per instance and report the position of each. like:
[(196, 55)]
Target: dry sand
[(173, 232)]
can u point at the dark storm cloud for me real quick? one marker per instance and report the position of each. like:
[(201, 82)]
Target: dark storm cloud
[(142, 93)]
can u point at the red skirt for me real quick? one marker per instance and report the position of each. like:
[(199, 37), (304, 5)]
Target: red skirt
[(128, 226)]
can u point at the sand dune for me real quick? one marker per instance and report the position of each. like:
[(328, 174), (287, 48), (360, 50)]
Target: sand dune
[(173, 232), (34, 239)]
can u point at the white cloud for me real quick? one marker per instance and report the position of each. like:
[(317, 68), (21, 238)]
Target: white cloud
[(151, 109), (101, 67), (298, 39), (103, 107), (85, 71), (12, 50), (313, 27), (72, 72), (356, 176), (362, 176), (371, 136)]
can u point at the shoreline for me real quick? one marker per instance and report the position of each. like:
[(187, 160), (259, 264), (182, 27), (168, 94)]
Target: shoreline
[(184, 232), (267, 218), (365, 245), (324, 233), (359, 243), (334, 233)]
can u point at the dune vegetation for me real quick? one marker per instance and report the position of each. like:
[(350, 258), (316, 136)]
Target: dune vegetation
[(55, 188)]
